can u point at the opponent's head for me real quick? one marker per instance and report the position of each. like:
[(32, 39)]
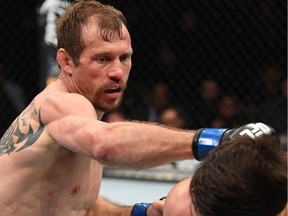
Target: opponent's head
[(243, 176)]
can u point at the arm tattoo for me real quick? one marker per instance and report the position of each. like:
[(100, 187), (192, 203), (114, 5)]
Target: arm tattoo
[(8, 144)]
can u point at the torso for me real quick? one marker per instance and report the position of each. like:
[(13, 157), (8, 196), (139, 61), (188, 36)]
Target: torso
[(43, 178)]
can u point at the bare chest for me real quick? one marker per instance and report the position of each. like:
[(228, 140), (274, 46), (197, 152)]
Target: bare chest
[(71, 183)]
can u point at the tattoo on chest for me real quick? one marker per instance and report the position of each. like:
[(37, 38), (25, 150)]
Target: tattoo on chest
[(15, 139)]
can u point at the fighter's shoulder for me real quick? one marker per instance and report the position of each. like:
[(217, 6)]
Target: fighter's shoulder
[(61, 104), (65, 99)]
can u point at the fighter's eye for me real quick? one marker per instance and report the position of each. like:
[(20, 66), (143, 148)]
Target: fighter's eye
[(103, 59), (124, 58)]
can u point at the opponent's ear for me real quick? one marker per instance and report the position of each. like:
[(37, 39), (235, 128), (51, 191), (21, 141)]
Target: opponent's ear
[(64, 60)]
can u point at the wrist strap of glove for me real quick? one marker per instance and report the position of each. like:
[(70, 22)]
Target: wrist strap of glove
[(140, 209), (205, 140)]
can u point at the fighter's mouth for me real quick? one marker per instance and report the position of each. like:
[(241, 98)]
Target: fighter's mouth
[(113, 90)]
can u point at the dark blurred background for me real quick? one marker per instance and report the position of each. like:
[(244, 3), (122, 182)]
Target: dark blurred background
[(215, 63)]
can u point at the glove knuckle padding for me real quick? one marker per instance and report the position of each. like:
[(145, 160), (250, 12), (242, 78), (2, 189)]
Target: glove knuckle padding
[(253, 130)]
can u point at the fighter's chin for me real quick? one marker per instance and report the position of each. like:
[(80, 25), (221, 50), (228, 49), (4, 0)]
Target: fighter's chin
[(108, 107)]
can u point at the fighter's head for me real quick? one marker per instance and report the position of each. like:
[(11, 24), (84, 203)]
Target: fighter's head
[(94, 53)]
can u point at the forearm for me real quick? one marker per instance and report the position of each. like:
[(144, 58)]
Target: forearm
[(104, 207), (143, 145)]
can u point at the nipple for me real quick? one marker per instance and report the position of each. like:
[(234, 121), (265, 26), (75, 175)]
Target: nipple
[(75, 190)]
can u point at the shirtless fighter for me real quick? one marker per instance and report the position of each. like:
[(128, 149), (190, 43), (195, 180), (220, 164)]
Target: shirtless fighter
[(52, 154)]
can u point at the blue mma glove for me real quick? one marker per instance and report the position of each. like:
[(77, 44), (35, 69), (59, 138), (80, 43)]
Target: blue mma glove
[(140, 209), (206, 139)]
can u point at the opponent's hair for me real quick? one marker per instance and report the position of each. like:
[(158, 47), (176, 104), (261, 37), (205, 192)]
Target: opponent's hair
[(69, 25), (242, 177)]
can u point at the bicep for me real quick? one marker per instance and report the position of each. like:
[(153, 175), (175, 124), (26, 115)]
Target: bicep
[(69, 120), (75, 133)]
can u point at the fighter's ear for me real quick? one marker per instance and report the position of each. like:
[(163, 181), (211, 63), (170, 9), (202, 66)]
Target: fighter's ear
[(64, 60)]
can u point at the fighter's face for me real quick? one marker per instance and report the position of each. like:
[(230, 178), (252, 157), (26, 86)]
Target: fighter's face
[(178, 201), (103, 69)]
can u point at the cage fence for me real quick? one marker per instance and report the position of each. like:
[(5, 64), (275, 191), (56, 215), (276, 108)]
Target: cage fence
[(216, 63)]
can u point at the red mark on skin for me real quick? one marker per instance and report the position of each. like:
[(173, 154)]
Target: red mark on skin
[(50, 193), (75, 190)]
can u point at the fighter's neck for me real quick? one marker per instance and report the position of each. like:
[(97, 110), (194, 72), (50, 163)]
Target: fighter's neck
[(65, 78)]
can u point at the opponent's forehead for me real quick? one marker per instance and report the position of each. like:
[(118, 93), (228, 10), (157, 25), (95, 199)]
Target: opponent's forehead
[(178, 200)]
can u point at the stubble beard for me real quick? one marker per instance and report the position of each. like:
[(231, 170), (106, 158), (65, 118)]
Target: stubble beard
[(108, 108)]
